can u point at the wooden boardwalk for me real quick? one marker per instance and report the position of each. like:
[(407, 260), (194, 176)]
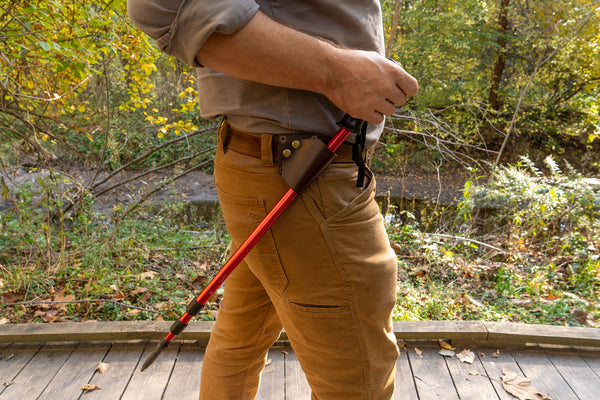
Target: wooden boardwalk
[(57, 371)]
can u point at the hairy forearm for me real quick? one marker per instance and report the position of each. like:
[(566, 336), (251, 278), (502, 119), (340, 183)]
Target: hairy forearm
[(267, 52)]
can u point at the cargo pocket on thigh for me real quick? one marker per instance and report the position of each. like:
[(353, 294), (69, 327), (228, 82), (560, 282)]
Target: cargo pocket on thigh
[(334, 194), (320, 310), (242, 215)]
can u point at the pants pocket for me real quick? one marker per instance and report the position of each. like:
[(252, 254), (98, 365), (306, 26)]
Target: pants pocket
[(242, 215)]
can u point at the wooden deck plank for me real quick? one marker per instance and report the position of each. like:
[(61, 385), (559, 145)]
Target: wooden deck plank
[(184, 383), (151, 384), (75, 372), (578, 374), (493, 367), (13, 359), (404, 388), (470, 387), (432, 377), (433, 330), (122, 360), (37, 374), (511, 335), (538, 367), (593, 360), (272, 383), (546, 334), (101, 331), (296, 385)]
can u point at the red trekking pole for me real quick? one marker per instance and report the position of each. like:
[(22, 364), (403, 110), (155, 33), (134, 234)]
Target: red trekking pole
[(314, 158)]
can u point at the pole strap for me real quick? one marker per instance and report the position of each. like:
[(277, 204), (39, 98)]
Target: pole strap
[(358, 155)]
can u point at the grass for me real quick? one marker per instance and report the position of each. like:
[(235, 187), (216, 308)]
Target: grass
[(509, 264)]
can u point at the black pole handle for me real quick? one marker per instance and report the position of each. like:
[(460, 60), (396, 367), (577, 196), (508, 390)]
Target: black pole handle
[(354, 125)]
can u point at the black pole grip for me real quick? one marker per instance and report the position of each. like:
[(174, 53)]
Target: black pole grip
[(352, 124)]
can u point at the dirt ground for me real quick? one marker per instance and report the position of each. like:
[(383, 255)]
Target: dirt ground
[(198, 186)]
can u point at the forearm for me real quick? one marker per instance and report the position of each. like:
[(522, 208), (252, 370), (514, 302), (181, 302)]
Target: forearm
[(267, 52)]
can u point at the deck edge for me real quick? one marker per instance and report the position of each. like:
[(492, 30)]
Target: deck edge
[(513, 334)]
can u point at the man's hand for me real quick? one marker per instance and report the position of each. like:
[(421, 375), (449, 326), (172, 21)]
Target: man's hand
[(363, 84), (368, 86)]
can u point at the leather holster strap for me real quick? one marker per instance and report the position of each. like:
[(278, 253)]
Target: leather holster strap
[(256, 144)]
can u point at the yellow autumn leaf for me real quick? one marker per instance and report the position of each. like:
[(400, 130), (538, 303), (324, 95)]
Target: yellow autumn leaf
[(88, 388), (445, 345)]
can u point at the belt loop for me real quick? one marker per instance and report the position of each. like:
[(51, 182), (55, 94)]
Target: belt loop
[(266, 149), (223, 135)]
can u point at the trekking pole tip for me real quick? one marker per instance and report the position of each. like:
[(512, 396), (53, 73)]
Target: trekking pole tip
[(154, 355)]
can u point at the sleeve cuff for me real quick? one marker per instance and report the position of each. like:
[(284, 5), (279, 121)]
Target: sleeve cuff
[(197, 20)]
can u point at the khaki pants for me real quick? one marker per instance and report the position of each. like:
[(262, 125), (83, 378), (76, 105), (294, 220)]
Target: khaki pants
[(324, 272)]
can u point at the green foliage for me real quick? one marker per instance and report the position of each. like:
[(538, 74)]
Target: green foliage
[(554, 43), (524, 247), (152, 261), (80, 82)]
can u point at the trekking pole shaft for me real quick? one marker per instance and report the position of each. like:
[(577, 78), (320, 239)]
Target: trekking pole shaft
[(199, 302)]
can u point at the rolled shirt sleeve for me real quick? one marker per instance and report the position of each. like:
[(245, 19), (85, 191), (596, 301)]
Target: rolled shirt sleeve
[(181, 27)]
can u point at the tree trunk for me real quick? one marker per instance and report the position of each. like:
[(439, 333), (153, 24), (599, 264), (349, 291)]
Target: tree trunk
[(394, 30), (493, 100)]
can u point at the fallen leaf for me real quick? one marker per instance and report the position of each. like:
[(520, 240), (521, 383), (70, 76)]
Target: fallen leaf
[(446, 353), (88, 388), (480, 354), (402, 345), (8, 383), (268, 362), (496, 354), (138, 290), (445, 345), (419, 352), (466, 356), (473, 372), (12, 296), (102, 367), (148, 275), (521, 387)]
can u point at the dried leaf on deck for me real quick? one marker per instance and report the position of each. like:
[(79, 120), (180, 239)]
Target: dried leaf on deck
[(102, 367), (419, 352), (268, 362), (445, 345), (473, 372), (496, 354), (466, 356), (8, 383), (446, 353), (521, 387), (88, 388)]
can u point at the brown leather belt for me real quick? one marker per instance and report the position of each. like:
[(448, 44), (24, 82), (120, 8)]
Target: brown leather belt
[(251, 144)]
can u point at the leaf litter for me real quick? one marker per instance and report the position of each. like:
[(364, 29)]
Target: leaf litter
[(521, 387)]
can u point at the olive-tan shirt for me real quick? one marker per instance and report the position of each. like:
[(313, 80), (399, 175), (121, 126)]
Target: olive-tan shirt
[(180, 28)]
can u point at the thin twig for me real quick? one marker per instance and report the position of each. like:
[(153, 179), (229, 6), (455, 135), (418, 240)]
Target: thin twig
[(149, 152), (161, 167), (489, 246), (33, 302), (160, 187)]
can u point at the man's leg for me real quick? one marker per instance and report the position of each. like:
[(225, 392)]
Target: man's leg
[(245, 329), (337, 306), (327, 266)]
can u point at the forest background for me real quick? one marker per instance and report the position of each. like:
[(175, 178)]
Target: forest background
[(509, 95)]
